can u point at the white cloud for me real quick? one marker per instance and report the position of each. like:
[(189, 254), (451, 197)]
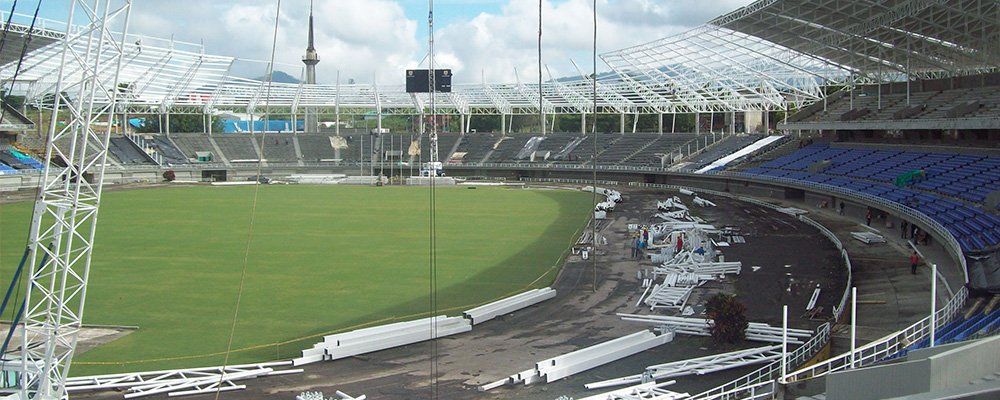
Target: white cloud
[(368, 38)]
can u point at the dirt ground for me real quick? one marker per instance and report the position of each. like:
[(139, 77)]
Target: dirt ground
[(793, 258)]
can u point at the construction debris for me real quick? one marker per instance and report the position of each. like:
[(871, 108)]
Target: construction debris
[(702, 202), (868, 237), (179, 382), (651, 390), (812, 300), (756, 331), (697, 366)]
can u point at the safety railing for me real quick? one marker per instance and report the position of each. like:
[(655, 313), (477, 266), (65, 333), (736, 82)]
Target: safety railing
[(885, 347), (839, 308), (768, 374)]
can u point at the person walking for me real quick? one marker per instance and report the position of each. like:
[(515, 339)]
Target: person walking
[(868, 218), (914, 261), (904, 227), (842, 205)]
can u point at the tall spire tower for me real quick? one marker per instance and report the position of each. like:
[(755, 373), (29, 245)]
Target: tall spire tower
[(310, 60)]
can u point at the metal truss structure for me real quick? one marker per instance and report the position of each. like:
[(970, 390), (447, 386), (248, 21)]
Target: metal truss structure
[(179, 382), (87, 60), (765, 56)]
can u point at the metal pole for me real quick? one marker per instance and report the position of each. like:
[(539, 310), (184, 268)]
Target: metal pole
[(784, 342), (673, 123), (933, 302), (854, 324), (337, 105), (661, 122)]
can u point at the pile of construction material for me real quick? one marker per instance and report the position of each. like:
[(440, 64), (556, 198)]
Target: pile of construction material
[(559, 367), (612, 198), (868, 237), (696, 366), (321, 396), (756, 331), (644, 391), (179, 382), (508, 305), (361, 341)]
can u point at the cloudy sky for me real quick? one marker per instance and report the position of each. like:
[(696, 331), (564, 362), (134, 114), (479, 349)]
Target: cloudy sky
[(377, 39)]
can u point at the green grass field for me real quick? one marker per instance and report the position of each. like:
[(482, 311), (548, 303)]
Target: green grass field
[(323, 259)]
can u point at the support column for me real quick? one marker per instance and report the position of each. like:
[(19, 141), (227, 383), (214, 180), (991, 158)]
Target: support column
[(660, 116), (623, 123), (711, 122), (461, 119), (732, 124), (503, 124), (168, 124), (767, 121), (697, 123), (208, 124), (673, 123), (583, 123)]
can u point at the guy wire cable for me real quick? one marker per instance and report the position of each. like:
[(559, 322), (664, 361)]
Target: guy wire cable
[(253, 206), (593, 163), (15, 280), (432, 171)]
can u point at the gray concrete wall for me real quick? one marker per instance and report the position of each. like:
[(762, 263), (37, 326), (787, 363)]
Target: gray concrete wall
[(965, 364), (879, 382)]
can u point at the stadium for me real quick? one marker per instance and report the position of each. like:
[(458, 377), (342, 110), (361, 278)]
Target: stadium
[(797, 199)]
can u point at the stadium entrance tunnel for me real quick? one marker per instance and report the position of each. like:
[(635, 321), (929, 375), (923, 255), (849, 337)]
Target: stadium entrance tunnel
[(214, 175)]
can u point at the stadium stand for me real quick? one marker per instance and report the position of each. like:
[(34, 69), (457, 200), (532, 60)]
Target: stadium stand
[(126, 152), (316, 148), (272, 126), (623, 146), (970, 102), (720, 149), (277, 148), (24, 158), (237, 147), (171, 154), (948, 187), (553, 144), (474, 148), (651, 154), (192, 144)]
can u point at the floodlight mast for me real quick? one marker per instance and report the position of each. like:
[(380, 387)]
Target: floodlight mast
[(65, 215)]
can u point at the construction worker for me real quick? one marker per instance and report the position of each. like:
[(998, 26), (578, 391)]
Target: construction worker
[(914, 261)]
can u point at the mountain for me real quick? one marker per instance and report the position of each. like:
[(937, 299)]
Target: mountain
[(279, 77)]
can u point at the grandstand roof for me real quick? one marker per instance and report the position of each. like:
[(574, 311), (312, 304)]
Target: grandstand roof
[(921, 38), (763, 56)]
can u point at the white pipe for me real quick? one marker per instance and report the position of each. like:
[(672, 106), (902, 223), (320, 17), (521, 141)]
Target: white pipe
[(854, 323), (784, 342), (933, 302)]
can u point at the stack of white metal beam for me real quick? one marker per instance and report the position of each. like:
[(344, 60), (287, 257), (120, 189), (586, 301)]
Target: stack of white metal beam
[(755, 331), (697, 366), (702, 202), (179, 382), (556, 368), (699, 268), (868, 237), (645, 391), (671, 204), (685, 279), (348, 344), (508, 305), (663, 296)]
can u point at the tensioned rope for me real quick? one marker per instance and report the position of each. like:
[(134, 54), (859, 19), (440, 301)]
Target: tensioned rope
[(593, 163), (432, 172), (253, 204)]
